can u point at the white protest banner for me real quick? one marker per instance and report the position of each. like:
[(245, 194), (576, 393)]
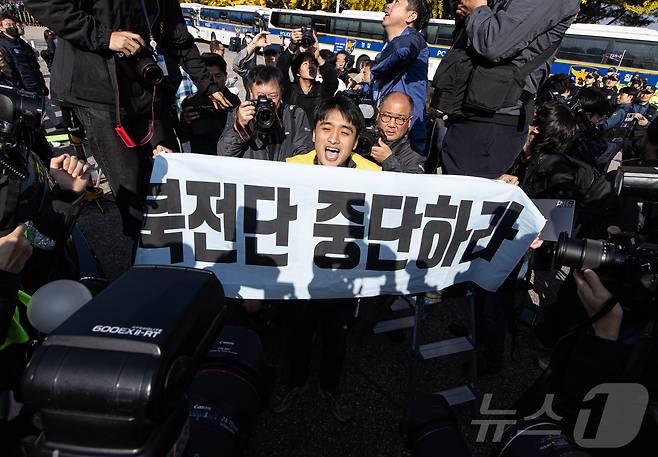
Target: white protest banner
[(282, 231)]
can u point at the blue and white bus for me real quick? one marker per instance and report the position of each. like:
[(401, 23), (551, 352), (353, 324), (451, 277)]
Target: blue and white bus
[(586, 47), (222, 23)]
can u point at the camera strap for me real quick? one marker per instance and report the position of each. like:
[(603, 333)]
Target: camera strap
[(118, 127)]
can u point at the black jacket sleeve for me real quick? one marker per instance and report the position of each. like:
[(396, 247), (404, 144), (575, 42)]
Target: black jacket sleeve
[(283, 64), (178, 45), (404, 160), (230, 144), (70, 22), (329, 79)]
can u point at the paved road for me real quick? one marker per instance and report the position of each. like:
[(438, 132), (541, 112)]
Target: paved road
[(376, 374)]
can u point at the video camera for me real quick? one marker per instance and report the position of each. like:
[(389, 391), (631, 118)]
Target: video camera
[(115, 378), (265, 113)]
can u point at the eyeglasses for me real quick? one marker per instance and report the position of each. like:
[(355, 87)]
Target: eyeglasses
[(399, 120)]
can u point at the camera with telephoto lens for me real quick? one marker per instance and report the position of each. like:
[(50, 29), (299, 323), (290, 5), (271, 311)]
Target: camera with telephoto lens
[(308, 39), (265, 116), (536, 438)]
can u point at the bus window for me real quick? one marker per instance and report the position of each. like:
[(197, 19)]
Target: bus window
[(248, 18), (372, 30), (209, 14), (297, 21), (637, 54), (444, 35), (320, 24), (584, 49), (431, 32), (348, 27), (281, 20), (235, 17)]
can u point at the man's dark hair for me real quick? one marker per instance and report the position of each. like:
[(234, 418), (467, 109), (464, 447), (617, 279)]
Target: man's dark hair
[(628, 90), (4, 16), (263, 74), (299, 59), (423, 13), (409, 99), (557, 129), (328, 56), (593, 101), (343, 52), (554, 87), (345, 106), (214, 60)]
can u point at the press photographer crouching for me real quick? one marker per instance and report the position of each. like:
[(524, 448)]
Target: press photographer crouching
[(265, 127), (590, 108), (201, 123), (393, 149), (38, 208)]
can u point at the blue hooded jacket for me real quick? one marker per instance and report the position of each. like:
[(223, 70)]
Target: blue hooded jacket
[(402, 67)]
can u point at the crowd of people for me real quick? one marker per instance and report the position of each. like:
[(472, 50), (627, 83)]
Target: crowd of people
[(131, 75)]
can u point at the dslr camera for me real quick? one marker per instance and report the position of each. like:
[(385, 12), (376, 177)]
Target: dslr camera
[(368, 138), (142, 66), (308, 39), (265, 113)]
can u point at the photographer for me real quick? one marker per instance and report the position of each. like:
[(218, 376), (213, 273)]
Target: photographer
[(246, 58), (201, 123), (547, 171), (402, 64), (106, 69), (305, 90), (487, 81), (265, 128), (393, 150), (591, 109), (593, 356)]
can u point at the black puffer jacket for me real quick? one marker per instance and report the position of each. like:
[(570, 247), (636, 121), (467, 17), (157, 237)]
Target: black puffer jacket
[(80, 74)]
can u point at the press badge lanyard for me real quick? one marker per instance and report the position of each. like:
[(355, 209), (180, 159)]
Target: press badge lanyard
[(119, 128)]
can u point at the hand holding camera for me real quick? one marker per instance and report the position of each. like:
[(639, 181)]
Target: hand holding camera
[(259, 41), (594, 295), (126, 43), (15, 250), (246, 113), (381, 151)]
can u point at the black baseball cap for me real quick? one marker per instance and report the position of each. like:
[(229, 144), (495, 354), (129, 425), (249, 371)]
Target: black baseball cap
[(614, 76), (273, 48), (648, 90)]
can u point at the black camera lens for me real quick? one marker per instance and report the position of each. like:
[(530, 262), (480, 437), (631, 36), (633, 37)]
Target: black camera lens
[(151, 73), (583, 254), (265, 116)]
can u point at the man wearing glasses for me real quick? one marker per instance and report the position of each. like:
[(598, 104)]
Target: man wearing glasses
[(245, 135), (393, 150)]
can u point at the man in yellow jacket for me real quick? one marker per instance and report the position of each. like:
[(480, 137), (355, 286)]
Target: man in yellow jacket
[(337, 124), (336, 127)]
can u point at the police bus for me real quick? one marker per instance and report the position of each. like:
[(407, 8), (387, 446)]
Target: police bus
[(222, 23), (586, 47)]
